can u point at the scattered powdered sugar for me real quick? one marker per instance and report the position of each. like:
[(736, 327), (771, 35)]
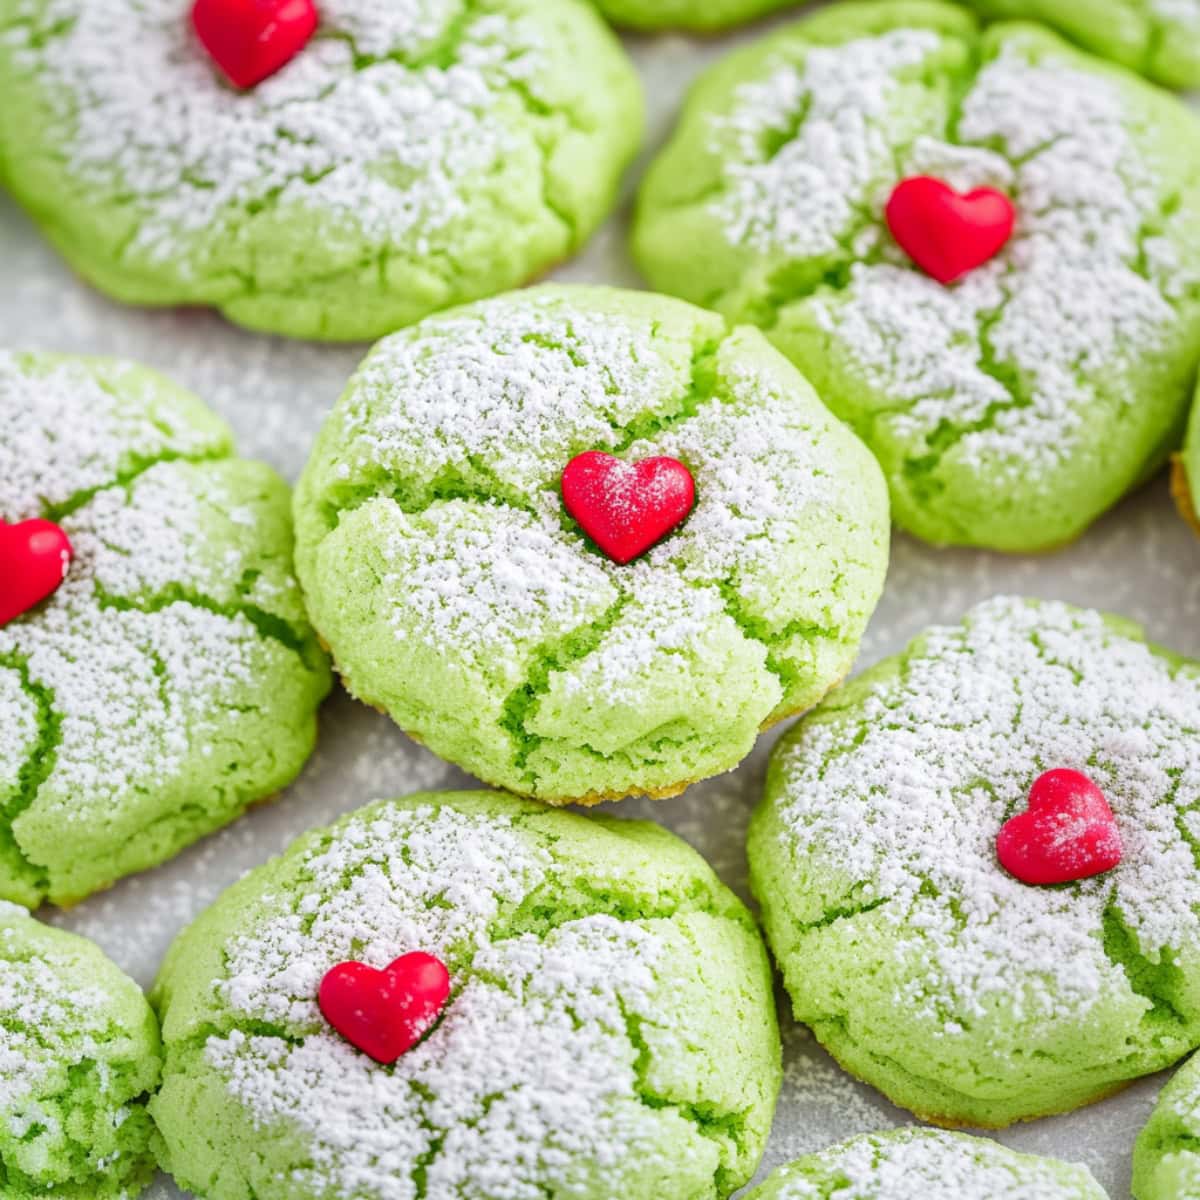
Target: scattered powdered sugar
[(1185, 13), (926, 1164), (530, 1078), (372, 123), (802, 199), (133, 681), (904, 794)]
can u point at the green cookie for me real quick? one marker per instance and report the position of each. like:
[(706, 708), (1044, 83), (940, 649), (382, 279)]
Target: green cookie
[(1159, 38), (610, 1030), (703, 16), (1186, 481), (456, 593), (1166, 1156), (1009, 409), (926, 969), (79, 1054), (172, 679), (412, 156), (925, 1164)]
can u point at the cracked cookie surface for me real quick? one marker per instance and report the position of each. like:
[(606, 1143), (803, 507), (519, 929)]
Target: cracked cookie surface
[(1012, 408), (610, 1030), (79, 1055), (1159, 38), (926, 1164), (416, 154), (172, 679), (928, 971), (441, 567)]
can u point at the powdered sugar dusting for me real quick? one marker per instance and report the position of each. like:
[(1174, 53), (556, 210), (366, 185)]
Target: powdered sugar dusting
[(924, 1164), (368, 124), (905, 793), (132, 677), (529, 1079), (489, 404)]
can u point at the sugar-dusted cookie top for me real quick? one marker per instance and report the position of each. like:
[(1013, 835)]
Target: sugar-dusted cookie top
[(171, 679), (1166, 1164), (1159, 38), (609, 1029), (1013, 406), (79, 1054), (960, 991), (456, 591), (414, 154), (926, 1164)]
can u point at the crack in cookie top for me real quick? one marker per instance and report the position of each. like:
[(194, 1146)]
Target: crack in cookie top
[(141, 674), (437, 478), (987, 401), (894, 792), (551, 1066), (924, 1164), (401, 133), (78, 1050)]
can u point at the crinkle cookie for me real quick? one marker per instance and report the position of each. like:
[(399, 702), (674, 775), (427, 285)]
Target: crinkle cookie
[(1009, 409), (79, 1055), (172, 679), (609, 1031), (704, 16), (1185, 481), (922, 966), (926, 1164), (1166, 1156), (415, 154), (1159, 38), (441, 566)]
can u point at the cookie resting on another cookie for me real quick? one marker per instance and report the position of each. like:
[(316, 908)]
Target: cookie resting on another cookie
[(457, 593), (920, 963), (1008, 409), (172, 678), (609, 1032)]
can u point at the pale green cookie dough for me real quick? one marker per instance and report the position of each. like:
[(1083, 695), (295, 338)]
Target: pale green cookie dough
[(926, 1164), (455, 592), (610, 1030), (1008, 410), (414, 155), (925, 968), (1166, 1156), (172, 679), (1159, 38), (704, 16), (79, 1055)]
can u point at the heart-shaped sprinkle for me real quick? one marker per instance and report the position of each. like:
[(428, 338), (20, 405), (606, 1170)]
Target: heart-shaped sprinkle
[(252, 39), (384, 1013), (1068, 832), (34, 557), (626, 507), (948, 234)]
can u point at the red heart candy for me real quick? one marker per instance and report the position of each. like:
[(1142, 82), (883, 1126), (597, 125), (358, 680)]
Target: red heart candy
[(34, 556), (944, 232), (384, 1013), (1068, 832), (626, 507), (252, 39)]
